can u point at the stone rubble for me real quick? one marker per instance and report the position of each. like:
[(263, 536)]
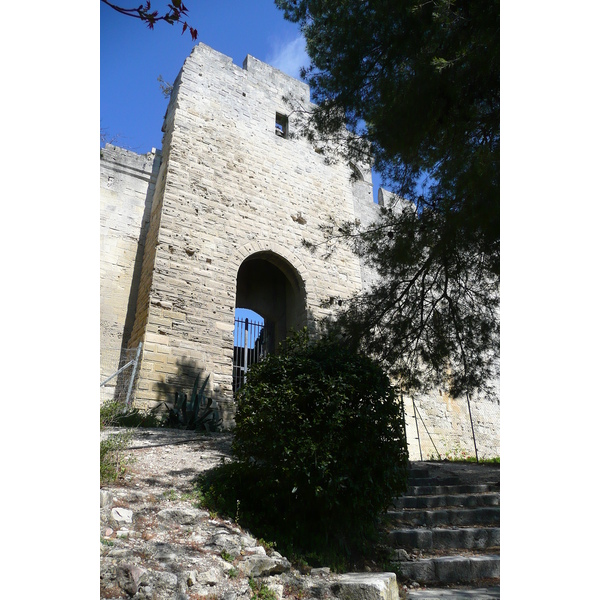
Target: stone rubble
[(156, 544)]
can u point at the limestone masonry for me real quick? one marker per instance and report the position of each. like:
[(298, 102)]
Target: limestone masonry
[(216, 220)]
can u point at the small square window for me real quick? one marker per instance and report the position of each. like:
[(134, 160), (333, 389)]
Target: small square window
[(281, 125)]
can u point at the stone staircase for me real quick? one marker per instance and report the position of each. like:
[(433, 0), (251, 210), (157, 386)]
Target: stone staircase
[(446, 529)]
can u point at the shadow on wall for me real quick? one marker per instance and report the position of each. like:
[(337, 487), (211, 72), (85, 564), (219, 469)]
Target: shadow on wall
[(186, 399)]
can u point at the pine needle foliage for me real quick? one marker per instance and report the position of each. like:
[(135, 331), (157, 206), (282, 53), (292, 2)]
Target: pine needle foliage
[(414, 87)]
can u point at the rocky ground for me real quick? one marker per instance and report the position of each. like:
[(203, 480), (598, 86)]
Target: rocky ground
[(156, 543)]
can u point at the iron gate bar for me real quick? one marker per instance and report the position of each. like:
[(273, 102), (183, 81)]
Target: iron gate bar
[(250, 345)]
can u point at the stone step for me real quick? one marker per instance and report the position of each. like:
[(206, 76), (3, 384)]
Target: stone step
[(479, 593), (437, 490), (429, 481), (451, 516), (466, 538), (451, 569), (362, 586), (465, 500), (418, 472), (454, 517)]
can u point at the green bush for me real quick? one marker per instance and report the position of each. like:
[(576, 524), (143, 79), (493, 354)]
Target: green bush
[(319, 446)]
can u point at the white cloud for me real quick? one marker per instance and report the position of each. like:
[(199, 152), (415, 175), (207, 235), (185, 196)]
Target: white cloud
[(289, 56)]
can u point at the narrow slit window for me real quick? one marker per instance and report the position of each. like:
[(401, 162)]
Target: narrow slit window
[(281, 125)]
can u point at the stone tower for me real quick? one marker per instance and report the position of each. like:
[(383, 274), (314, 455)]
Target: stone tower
[(235, 196)]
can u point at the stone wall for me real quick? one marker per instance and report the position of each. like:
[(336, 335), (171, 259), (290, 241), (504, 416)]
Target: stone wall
[(439, 426), (126, 188)]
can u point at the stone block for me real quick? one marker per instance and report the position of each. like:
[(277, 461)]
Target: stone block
[(366, 586), (422, 571), (452, 569), (257, 565), (484, 567)]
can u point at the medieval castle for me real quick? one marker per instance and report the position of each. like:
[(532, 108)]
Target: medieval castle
[(216, 221)]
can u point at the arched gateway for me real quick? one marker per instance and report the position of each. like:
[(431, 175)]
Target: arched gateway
[(270, 286)]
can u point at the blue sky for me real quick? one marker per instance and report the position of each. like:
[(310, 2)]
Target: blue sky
[(132, 57)]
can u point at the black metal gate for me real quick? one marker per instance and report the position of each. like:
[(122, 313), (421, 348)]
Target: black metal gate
[(249, 347)]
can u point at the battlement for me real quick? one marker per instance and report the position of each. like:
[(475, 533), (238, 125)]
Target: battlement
[(281, 80), (254, 69), (129, 163)]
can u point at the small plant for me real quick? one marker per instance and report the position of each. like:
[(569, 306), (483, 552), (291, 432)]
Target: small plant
[(302, 565), (165, 87), (170, 495), (294, 590), (112, 457), (233, 573), (196, 498), (226, 556), (261, 591), (197, 414), (113, 413), (494, 460), (268, 546), (459, 454)]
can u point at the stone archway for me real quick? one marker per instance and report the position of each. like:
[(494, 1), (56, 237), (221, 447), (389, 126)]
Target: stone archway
[(270, 286)]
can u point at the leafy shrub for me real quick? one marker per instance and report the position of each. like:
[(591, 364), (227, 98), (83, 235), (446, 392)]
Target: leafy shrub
[(319, 447)]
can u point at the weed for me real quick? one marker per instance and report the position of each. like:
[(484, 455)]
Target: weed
[(458, 454), (233, 573), (196, 497), (268, 546), (112, 459), (113, 446), (261, 591), (226, 556), (294, 590), (170, 495)]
